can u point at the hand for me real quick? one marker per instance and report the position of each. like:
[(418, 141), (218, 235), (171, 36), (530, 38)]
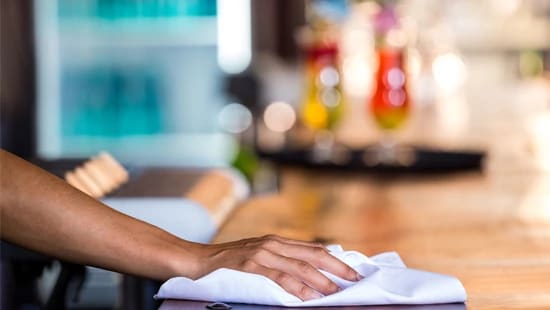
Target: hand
[(290, 263)]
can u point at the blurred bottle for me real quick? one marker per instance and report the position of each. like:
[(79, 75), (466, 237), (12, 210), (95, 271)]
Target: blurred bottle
[(323, 102), (322, 105), (390, 104)]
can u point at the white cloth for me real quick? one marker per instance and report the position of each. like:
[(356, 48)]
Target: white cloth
[(387, 281)]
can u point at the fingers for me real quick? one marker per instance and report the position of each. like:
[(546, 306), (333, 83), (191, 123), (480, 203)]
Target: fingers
[(326, 261), (318, 257), (304, 272), (285, 280), (290, 263)]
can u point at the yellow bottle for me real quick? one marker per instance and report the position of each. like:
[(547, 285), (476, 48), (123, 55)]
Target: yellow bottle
[(323, 102)]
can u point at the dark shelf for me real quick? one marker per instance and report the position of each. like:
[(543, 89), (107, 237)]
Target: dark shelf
[(424, 161)]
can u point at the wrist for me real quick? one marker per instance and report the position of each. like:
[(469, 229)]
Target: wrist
[(186, 260)]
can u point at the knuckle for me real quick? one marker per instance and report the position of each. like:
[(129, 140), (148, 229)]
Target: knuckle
[(270, 237), (330, 286), (270, 244), (304, 292), (326, 286), (320, 252), (248, 265), (259, 254), (318, 244), (247, 243), (282, 278), (304, 267)]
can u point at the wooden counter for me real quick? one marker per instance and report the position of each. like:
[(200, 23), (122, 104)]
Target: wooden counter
[(491, 231)]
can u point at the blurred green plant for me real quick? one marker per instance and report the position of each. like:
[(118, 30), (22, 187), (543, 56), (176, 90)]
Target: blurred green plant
[(246, 161)]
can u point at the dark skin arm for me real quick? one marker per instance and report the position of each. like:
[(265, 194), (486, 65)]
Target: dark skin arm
[(41, 212)]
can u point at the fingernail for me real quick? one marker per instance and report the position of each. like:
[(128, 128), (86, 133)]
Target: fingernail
[(359, 277), (335, 289), (313, 295)]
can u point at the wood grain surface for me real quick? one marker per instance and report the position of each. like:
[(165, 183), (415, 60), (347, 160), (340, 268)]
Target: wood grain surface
[(491, 230)]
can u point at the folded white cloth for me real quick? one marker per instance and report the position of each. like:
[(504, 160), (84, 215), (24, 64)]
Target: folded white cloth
[(387, 281)]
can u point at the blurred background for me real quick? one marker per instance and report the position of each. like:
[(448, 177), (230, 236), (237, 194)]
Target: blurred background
[(412, 85), (194, 83)]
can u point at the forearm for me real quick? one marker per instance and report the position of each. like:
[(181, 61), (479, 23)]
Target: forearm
[(43, 213)]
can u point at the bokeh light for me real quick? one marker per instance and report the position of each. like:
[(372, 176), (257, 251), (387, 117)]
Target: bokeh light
[(235, 118), (506, 7), (279, 116), (358, 73), (395, 78), (329, 76), (330, 97), (396, 97), (234, 35), (449, 72)]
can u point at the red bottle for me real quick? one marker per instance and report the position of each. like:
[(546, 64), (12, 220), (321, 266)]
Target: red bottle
[(390, 103)]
